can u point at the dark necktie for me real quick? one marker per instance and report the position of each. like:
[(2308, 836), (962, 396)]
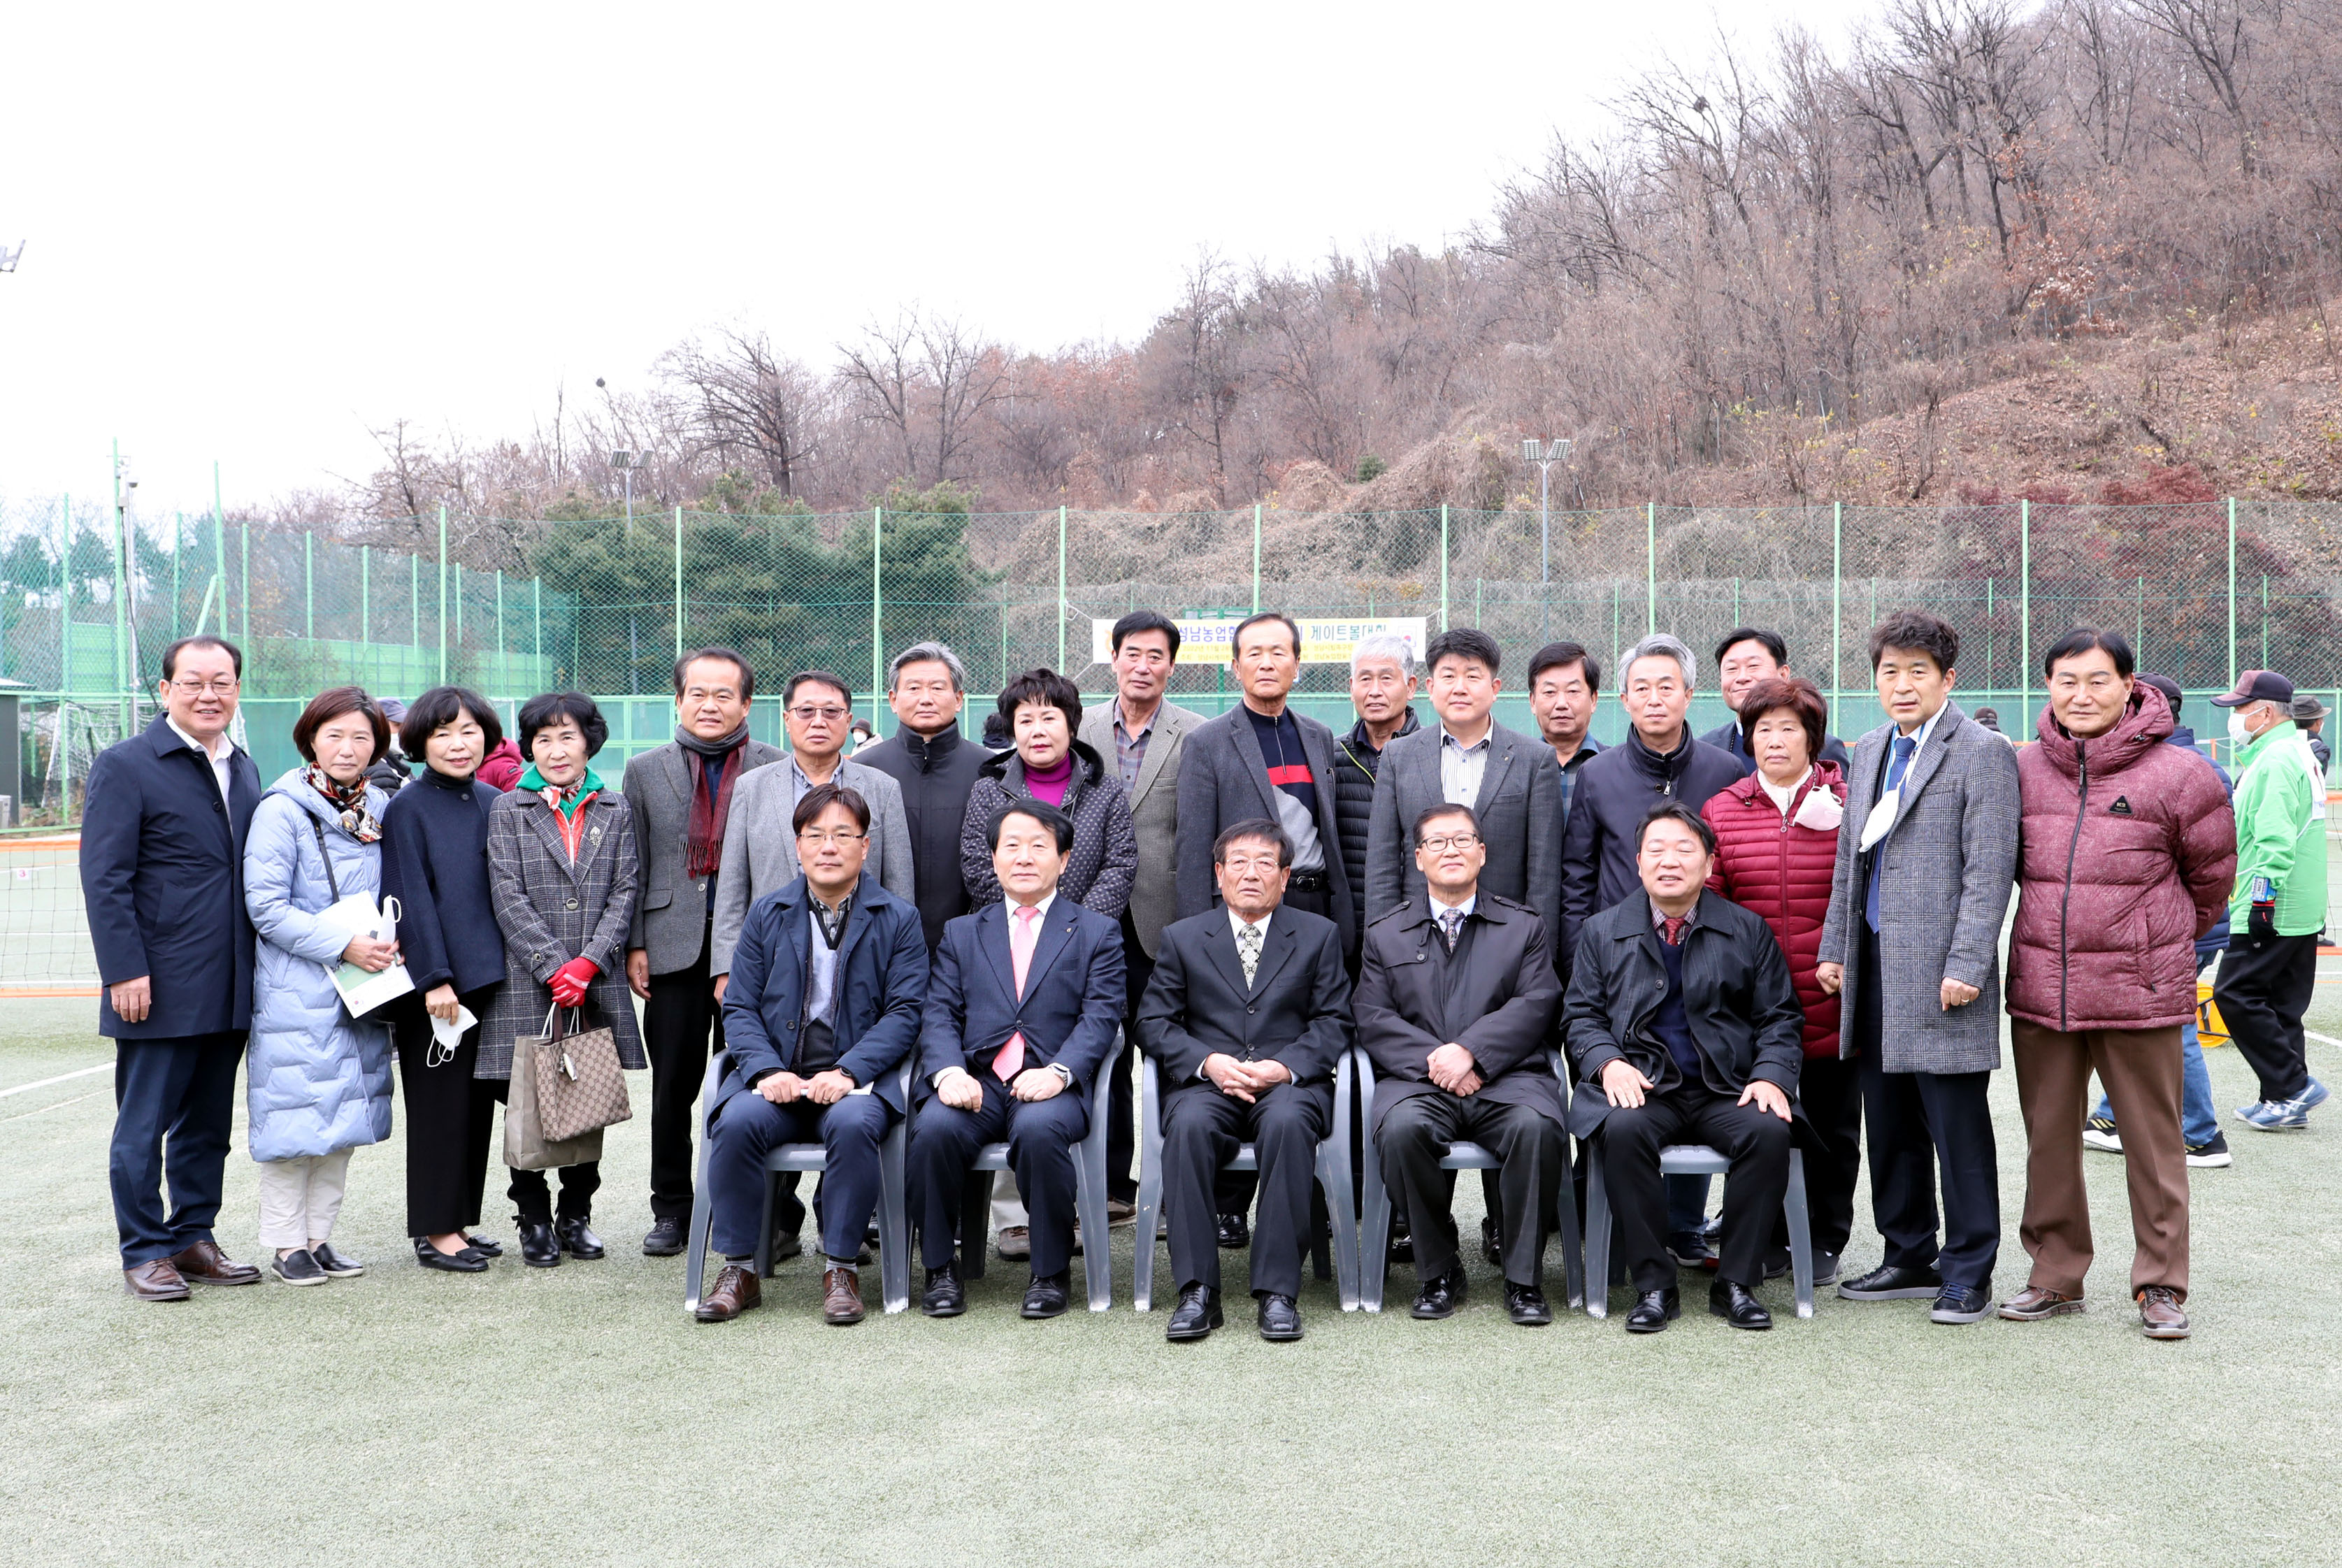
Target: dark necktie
[(1898, 764)]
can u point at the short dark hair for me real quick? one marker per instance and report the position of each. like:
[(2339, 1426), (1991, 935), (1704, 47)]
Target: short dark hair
[(1916, 632), (1433, 812), (439, 707), (738, 661), (1040, 811), (815, 678), (1462, 642), (1253, 827), (201, 640), (1676, 811), (2081, 640), (1739, 634), (332, 704), (1799, 696), (548, 709), (1139, 621), (1236, 638), (1560, 656), (821, 797), (2170, 690), (1049, 689)]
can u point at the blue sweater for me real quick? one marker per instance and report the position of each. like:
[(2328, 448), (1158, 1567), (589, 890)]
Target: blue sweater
[(434, 862)]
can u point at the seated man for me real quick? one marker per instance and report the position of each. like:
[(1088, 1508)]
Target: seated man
[(1686, 1029), (822, 1007), (1246, 1014), (1021, 1017), (1456, 993)]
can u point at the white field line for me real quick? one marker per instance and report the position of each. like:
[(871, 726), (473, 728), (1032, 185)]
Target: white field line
[(60, 1078), (2322, 1039)]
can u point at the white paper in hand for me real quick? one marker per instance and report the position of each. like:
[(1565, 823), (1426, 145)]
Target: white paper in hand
[(361, 992)]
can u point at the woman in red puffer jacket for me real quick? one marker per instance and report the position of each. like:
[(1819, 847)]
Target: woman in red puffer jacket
[(1777, 835)]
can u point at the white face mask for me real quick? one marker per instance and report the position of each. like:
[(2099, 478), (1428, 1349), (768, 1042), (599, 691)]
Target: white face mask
[(2238, 735)]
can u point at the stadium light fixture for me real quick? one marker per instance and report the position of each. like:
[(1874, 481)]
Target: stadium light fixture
[(1545, 455), (9, 258)]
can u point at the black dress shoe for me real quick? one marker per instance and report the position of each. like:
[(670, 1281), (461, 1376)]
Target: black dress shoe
[(1280, 1318), (578, 1240), (1402, 1244), (470, 1261), (1197, 1314), (1235, 1232), (944, 1295), (1893, 1282), (539, 1247), (1045, 1297), (1525, 1305), (1492, 1246), (1732, 1304), (1654, 1310), (665, 1239), (1440, 1297), (485, 1245)]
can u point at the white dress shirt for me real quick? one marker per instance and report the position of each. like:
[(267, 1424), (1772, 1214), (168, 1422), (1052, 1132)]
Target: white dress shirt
[(218, 759)]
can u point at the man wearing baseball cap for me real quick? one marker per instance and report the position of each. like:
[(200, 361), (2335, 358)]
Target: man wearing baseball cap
[(2270, 971)]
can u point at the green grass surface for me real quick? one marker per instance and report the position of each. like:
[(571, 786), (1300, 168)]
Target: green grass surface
[(576, 1416)]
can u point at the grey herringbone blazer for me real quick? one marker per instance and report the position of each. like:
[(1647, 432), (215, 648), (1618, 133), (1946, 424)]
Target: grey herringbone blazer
[(1949, 868), (1154, 811), (760, 847), (551, 912), (671, 915), (1518, 806)]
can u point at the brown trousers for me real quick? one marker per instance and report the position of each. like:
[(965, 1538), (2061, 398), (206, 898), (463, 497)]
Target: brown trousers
[(2140, 1070)]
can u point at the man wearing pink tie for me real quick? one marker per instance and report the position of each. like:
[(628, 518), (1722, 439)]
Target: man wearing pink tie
[(1021, 1014)]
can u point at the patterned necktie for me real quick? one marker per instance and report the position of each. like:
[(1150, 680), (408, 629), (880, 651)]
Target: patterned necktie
[(1675, 924), (1024, 931), (1248, 951), (1451, 923)]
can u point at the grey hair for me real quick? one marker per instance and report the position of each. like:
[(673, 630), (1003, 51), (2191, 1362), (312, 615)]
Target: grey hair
[(1657, 646), (927, 654), (1385, 645)]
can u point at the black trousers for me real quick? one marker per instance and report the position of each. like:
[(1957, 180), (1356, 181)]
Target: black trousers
[(1532, 1158), (174, 1104), (532, 1194), (1829, 1090), (1201, 1129), (1122, 1129), (1755, 1140), (450, 1116), (1040, 1135), (678, 1020), (2263, 988)]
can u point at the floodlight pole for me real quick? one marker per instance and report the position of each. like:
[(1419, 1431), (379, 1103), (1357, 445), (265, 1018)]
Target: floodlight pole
[(1545, 455)]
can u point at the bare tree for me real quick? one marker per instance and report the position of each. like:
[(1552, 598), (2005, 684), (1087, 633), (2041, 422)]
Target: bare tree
[(752, 407)]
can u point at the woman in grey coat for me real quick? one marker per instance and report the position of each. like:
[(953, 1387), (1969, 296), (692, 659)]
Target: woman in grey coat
[(1044, 711), (317, 1080), (562, 874)]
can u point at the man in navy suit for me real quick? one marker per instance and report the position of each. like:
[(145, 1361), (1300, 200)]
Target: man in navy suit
[(162, 874), (1021, 1014), (822, 1008)]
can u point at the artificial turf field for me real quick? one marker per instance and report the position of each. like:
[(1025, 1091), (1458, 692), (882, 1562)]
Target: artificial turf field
[(576, 1415)]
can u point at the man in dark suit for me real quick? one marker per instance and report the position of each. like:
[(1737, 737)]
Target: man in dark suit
[(1021, 1014), (162, 876), (1686, 1029), (1456, 999), (681, 795), (1746, 656), (827, 980), (1247, 1013)]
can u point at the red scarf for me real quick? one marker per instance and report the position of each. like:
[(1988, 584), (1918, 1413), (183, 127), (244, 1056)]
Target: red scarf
[(702, 845)]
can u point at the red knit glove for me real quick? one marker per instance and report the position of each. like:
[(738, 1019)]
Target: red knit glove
[(569, 982)]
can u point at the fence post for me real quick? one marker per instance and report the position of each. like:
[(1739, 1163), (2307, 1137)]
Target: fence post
[(1443, 566), (245, 536), (1837, 600), (877, 600), (537, 647), (1651, 567), (504, 651), (1061, 590), (678, 582), (1255, 558), (219, 544), (415, 604), (178, 537), (121, 592), (366, 593), (65, 613), (2024, 618), (443, 593), (309, 583), (2232, 593)]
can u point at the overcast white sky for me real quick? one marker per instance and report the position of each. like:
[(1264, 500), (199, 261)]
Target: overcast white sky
[(257, 230)]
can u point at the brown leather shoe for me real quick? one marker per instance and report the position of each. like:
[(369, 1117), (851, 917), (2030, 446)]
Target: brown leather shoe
[(841, 1296), (155, 1281), (736, 1291), (2037, 1301), (2160, 1315), (206, 1264)]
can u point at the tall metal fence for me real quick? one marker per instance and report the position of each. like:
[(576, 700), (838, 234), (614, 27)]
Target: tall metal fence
[(513, 607)]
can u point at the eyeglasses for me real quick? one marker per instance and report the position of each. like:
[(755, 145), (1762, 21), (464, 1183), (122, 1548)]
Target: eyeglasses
[(223, 688), (1448, 840), (817, 837), (808, 714)]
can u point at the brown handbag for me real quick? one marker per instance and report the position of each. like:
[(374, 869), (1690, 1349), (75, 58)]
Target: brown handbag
[(580, 1087)]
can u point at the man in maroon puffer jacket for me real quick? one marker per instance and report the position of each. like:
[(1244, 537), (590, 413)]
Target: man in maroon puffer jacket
[(2128, 851)]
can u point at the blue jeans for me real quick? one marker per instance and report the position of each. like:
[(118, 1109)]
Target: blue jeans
[(2198, 1119)]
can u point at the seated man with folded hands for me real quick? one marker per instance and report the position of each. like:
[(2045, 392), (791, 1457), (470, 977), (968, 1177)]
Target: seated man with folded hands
[(1686, 1029)]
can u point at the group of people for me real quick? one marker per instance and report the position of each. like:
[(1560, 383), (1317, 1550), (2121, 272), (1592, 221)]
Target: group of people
[(1756, 939)]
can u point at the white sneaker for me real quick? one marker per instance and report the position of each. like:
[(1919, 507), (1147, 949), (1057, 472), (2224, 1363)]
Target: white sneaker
[(2098, 1133)]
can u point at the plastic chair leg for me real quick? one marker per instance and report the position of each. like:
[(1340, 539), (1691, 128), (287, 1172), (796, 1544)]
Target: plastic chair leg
[(1801, 1238), (1089, 1203), (1150, 1190), (894, 1220), (1373, 1236), (695, 1268), (1598, 1239), (1573, 1250), (1334, 1175)]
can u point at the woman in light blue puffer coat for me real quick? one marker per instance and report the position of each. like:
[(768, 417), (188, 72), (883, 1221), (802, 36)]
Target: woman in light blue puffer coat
[(318, 1080)]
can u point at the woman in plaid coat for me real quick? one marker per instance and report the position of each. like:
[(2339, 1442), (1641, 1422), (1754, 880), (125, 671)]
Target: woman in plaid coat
[(562, 874)]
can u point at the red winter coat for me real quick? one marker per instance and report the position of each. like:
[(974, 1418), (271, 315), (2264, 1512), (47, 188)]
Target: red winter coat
[(2123, 867), (1781, 871), (503, 766)]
